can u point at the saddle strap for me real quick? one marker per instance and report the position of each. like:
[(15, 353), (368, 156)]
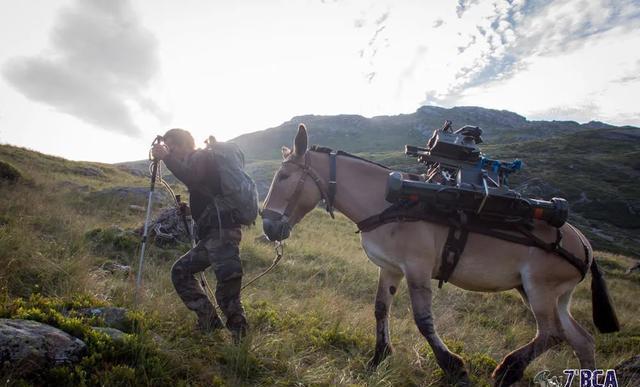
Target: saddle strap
[(555, 247), (451, 252), (397, 214)]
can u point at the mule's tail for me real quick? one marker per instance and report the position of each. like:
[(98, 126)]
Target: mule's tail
[(604, 315)]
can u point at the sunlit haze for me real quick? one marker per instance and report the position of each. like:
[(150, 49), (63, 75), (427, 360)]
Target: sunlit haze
[(97, 79)]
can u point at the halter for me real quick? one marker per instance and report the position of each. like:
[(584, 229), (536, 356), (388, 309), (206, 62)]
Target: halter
[(327, 195)]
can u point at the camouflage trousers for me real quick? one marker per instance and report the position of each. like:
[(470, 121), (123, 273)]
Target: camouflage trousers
[(220, 250)]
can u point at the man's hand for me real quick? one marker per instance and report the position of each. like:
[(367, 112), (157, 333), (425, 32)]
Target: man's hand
[(159, 151)]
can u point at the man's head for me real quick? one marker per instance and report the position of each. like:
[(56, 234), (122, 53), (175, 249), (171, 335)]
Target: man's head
[(180, 142)]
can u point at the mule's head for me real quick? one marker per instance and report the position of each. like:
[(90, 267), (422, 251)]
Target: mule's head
[(293, 192)]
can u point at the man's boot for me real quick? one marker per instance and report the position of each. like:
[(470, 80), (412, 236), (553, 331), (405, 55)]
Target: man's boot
[(228, 297), (237, 325), (208, 321)]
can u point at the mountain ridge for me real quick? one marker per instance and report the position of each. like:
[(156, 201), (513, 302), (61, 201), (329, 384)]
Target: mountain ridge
[(392, 132)]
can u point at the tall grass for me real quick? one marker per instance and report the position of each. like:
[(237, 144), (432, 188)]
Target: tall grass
[(311, 319)]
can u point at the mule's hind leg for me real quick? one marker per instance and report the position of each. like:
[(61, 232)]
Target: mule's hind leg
[(523, 295), (387, 287), (580, 340), (542, 301), (419, 283)]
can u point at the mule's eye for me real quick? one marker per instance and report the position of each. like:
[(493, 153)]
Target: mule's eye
[(283, 176)]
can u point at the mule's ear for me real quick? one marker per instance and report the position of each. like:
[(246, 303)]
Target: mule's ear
[(285, 152), (301, 141)]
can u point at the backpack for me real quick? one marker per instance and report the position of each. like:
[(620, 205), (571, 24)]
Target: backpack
[(239, 195)]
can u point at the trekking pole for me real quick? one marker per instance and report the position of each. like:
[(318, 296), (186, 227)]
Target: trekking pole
[(145, 234)]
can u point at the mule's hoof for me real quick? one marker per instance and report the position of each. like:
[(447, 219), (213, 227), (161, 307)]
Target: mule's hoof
[(378, 357), (373, 363), (466, 382), (507, 374), (460, 380)]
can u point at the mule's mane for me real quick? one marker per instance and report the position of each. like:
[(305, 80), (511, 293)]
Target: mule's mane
[(327, 150)]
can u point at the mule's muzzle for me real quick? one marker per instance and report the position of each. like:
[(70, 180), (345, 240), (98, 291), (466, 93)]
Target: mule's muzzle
[(276, 230), (275, 226)]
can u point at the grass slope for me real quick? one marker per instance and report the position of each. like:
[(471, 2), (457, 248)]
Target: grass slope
[(312, 318)]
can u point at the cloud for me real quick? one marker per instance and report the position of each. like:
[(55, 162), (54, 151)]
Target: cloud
[(563, 26), (506, 34), (581, 113), (584, 113), (462, 6), (102, 62), (374, 22), (407, 75), (582, 84), (373, 39), (484, 40), (382, 18), (70, 92)]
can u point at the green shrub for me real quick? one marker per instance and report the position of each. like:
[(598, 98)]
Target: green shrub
[(480, 364), (135, 360), (9, 173), (339, 338), (241, 361), (617, 343), (263, 316), (119, 375), (113, 242)]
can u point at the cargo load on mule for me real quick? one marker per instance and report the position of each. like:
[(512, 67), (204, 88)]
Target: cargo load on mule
[(469, 192), (459, 177)]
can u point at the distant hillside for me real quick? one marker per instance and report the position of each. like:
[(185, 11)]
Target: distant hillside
[(355, 133)]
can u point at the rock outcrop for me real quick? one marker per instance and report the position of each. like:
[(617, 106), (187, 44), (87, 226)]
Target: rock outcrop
[(113, 317), (113, 333), (28, 346), (133, 195), (9, 173), (88, 171), (628, 372)]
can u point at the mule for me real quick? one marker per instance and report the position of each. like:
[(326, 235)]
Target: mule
[(412, 250)]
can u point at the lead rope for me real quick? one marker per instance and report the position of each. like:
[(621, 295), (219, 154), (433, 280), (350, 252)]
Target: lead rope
[(279, 248)]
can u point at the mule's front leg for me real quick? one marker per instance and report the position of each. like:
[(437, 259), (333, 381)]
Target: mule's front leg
[(420, 291), (387, 287)]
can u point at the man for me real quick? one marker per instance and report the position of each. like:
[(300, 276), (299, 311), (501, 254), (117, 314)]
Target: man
[(217, 246)]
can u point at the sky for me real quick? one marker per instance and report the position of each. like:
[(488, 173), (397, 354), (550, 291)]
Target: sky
[(98, 79)]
